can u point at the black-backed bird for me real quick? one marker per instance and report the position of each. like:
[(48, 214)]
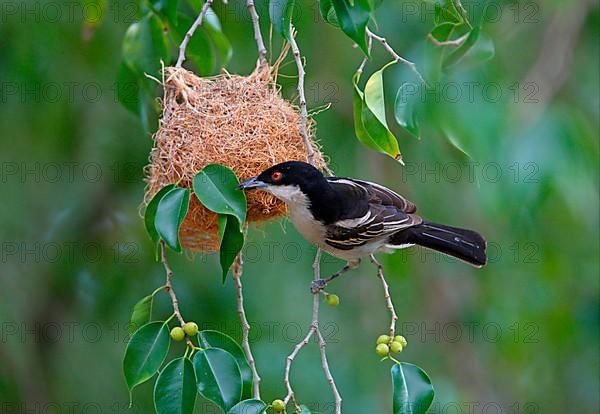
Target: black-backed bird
[(350, 218)]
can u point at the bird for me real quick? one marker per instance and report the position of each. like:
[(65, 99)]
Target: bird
[(351, 218)]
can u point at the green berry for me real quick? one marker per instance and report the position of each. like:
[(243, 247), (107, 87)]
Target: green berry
[(396, 347), (177, 334), (333, 300), (401, 339), (278, 405), (382, 350), (383, 339), (190, 328)]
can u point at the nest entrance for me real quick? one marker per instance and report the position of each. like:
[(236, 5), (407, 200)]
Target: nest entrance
[(241, 122)]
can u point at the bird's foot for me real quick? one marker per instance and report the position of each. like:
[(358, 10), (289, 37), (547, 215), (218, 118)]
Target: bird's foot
[(318, 285)]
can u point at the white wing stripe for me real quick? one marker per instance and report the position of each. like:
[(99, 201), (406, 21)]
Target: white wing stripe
[(355, 222)]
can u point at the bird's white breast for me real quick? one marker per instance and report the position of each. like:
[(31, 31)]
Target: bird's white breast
[(300, 214), (311, 229)]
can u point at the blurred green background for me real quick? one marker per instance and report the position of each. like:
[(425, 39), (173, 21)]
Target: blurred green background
[(519, 336)]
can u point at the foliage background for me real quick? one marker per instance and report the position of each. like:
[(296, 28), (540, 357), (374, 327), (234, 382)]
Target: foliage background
[(75, 257)]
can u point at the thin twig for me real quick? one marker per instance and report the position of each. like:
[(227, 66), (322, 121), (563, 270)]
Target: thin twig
[(303, 111), (322, 344), (455, 42), (395, 55), (171, 291), (314, 329), (288, 365), (464, 13), (386, 292), (336, 394), (190, 33), (361, 68), (237, 278), (262, 51)]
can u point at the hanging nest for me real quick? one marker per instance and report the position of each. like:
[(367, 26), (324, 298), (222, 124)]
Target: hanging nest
[(241, 122)]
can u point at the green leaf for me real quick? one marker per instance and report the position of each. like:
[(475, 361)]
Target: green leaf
[(248, 407), (461, 153), (353, 20), (149, 109), (435, 53), (199, 49), (171, 211), (369, 130), (128, 89), (215, 187), (220, 41), (442, 32), (175, 388), (218, 377), (142, 311), (461, 50), (482, 51), (168, 8), (446, 14), (150, 215), (405, 107), (374, 96), (144, 45), (413, 392), (280, 12), (328, 13), (145, 353), (232, 241), (216, 339), (324, 7), (381, 135)]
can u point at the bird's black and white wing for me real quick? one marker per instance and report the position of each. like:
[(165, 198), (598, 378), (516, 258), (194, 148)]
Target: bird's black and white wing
[(376, 213), (375, 193)]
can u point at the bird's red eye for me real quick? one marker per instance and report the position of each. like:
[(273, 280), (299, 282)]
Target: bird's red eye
[(276, 176)]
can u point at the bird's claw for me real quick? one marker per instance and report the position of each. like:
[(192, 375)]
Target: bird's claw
[(318, 285)]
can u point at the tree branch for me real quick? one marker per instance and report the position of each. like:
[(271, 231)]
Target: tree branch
[(262, 51), (336, 394), (303, 111), (455, 42), (386, 292), (169, 289), (237, 278), (361, 68), (395, 55), (314, 329), (464, 13), (190, 33), (288, 365)]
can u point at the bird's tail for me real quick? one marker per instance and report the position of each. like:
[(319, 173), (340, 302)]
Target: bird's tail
[(463, 244)]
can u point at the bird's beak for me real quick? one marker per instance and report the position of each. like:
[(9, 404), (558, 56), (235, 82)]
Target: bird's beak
[(251, 184)]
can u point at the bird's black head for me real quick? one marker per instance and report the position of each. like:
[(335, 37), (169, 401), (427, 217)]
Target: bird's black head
[(285, 179)]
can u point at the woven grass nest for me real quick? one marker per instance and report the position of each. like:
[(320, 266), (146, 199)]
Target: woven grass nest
[(238, 121)]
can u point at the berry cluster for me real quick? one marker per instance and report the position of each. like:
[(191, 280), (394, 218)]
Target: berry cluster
[(385, 344), (178, 333)]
